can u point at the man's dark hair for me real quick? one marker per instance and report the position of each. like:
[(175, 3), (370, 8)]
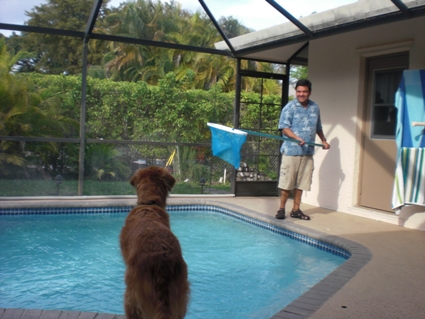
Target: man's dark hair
[(303, 82)]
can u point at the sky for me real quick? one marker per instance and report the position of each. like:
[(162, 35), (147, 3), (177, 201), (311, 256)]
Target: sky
[(255, 14)]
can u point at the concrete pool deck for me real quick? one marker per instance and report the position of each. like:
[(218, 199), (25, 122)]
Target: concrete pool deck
[(384, 278)]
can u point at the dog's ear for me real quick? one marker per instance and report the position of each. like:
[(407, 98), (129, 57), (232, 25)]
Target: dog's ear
[(168, 179), (135, 179)]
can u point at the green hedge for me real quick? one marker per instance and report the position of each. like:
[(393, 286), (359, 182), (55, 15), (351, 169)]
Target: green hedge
[(117, 111)]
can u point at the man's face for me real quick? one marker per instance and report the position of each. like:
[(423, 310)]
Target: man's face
[(303, 94)]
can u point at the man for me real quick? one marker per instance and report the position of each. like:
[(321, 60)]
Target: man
[(299, 120)]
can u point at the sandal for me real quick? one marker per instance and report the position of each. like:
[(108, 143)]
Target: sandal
[(299, 214), (280, 213)]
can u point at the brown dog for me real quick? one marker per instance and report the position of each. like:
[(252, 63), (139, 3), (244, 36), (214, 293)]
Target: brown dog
[(156, 274)]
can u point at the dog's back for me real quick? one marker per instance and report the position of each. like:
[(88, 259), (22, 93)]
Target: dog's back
[(156, 274)]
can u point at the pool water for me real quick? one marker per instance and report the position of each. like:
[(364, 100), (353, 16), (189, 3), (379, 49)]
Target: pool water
[(73, 262)]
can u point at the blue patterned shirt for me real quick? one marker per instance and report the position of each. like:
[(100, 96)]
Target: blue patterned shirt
[(304, 122)]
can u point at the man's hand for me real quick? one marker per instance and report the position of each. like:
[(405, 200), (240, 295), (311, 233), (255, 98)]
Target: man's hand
[(326, 145), (302, 142)]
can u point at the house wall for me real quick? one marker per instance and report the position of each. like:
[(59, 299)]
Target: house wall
[(337, 71)]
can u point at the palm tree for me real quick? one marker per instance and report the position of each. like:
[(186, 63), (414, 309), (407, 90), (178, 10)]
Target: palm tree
[(208, 69), (144, 20), (168, 22)]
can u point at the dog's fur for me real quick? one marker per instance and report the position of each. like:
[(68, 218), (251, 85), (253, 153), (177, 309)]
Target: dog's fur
[(156, 274)]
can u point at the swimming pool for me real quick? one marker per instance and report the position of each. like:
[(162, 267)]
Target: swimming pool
[(213, 284)]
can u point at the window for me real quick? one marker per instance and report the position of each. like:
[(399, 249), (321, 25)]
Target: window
[(384, 112)]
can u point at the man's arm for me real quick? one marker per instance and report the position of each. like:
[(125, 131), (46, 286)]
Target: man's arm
[(288, 132), (326, 145)]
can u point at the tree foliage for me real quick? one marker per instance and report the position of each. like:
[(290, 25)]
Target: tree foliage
[(55, 54), (134, 92), (140, 19), (298, 72), (28, 110), (128, 111)]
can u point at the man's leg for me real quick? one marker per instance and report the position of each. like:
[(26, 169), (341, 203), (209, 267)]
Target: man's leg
[(296, 212), (284, 195), (286, 182), (297, 199), (305, 172)]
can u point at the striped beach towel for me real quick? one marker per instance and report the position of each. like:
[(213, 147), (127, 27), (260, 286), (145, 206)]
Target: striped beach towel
[(409, 186), (409, 183)]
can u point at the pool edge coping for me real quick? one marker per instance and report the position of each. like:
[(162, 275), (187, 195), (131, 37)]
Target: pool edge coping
[(302, 307)]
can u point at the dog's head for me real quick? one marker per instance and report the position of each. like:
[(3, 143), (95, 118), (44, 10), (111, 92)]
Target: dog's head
[(153, 185)]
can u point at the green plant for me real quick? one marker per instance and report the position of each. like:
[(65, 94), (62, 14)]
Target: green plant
[(30, 111), (199, 171), (103, 162)]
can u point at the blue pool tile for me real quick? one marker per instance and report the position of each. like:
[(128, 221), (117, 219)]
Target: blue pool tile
[(183, 208)]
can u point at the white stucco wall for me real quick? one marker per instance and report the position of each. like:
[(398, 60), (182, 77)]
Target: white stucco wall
[(336, 69)]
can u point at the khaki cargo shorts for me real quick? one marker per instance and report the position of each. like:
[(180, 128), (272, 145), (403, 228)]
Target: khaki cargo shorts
[(296, 172)]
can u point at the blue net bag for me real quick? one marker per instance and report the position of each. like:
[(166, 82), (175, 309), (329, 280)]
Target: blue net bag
[(227, 143)]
